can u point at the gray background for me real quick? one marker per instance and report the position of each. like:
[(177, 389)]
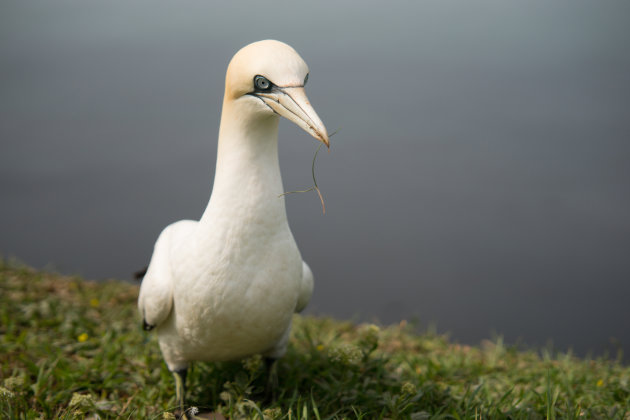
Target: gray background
[(480, 181)]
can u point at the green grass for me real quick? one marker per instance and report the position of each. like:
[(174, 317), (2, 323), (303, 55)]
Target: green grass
[(74, 349)]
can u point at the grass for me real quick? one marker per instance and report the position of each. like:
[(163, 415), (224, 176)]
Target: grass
[(70, 348)]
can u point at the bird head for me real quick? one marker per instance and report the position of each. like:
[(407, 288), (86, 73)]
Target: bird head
[(269, 76)]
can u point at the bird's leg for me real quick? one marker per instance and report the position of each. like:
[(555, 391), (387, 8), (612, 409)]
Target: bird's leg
[(272, 379), (180, 390), (180, 393)]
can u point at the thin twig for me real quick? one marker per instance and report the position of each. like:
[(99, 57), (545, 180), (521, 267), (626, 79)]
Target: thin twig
[(124, 407), (314, 187)]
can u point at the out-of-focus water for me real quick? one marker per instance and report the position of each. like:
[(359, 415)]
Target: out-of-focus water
[(480, 180)]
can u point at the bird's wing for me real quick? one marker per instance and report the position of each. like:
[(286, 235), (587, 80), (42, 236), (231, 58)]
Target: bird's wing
[(306, 288), (156, 292)]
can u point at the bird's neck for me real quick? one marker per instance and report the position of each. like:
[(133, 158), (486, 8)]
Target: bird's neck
[(247, 182)]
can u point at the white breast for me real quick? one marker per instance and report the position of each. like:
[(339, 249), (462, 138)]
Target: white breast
[(236, 292)]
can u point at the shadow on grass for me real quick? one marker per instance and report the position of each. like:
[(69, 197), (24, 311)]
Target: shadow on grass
[(348, 380)]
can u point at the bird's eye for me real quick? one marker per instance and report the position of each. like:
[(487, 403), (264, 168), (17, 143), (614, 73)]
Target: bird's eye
[(261, 83), (306, 79)]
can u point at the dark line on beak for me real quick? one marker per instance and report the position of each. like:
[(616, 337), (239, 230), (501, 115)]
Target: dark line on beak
[(301, 109), (289, 87), (263, 101)]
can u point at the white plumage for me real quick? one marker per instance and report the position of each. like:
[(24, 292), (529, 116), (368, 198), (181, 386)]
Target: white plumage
[(226, 286)]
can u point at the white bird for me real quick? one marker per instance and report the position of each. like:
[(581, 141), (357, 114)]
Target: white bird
[(225, 287)]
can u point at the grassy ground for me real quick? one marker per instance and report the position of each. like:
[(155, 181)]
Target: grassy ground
[(74, 349)]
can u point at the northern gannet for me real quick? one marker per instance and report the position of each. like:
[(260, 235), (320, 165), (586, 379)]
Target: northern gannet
[(225, 287)]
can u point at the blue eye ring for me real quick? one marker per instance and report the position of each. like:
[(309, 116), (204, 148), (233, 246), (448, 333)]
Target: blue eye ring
[(262, 83)]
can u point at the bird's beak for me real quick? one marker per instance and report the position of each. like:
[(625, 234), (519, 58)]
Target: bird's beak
[(293, 104)]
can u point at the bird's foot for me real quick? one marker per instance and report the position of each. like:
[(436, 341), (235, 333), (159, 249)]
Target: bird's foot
[(191, 413), (202, 416)]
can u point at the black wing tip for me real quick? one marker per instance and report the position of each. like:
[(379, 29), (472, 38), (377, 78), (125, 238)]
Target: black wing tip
[(147, 327), (139, 275)]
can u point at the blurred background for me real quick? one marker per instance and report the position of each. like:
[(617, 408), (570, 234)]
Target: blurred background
[(480, 182)]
